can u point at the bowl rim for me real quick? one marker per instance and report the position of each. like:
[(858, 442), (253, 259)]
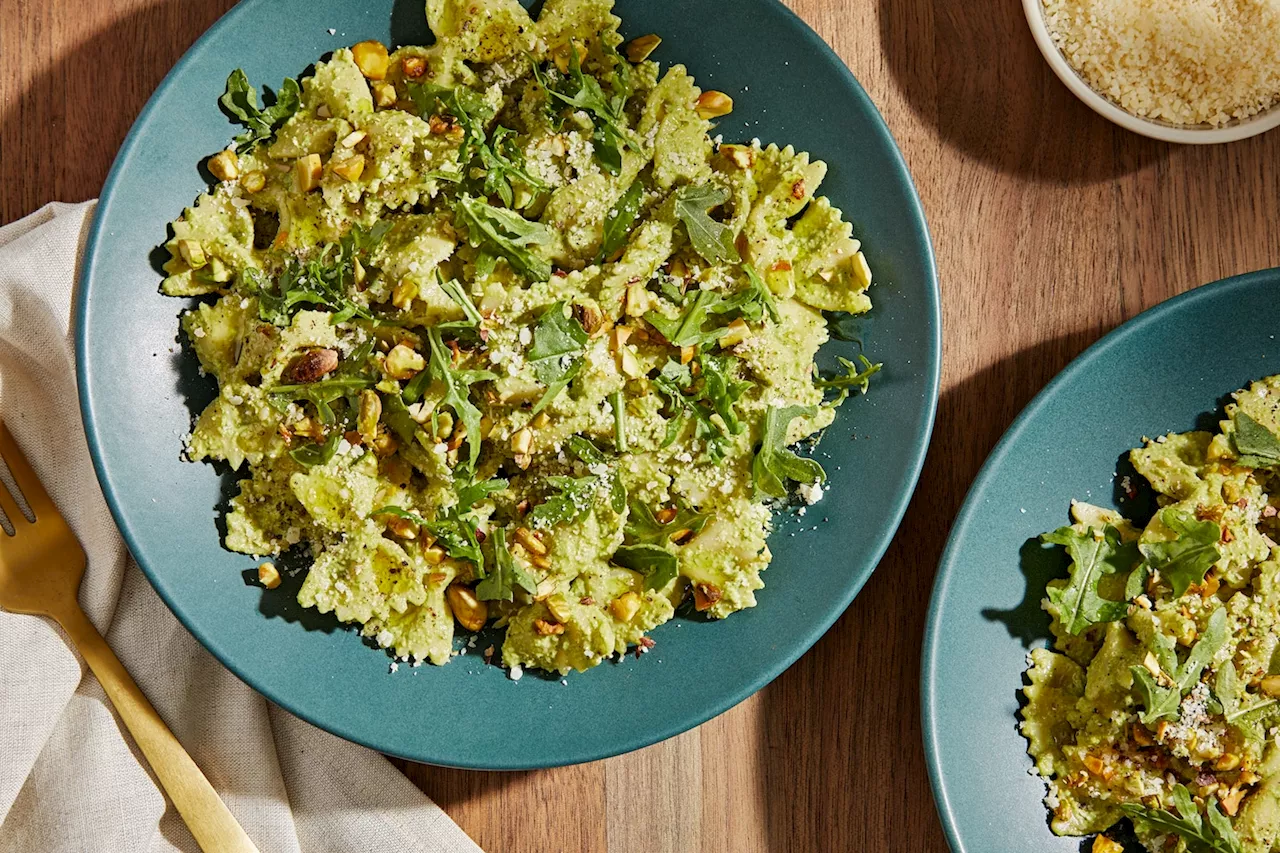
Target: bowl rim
[(931, 707), (1108, 109), (271, 689)]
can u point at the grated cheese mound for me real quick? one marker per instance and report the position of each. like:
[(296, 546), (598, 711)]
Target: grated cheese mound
[(1184, 62)]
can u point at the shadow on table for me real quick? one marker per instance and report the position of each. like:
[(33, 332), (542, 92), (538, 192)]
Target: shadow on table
[(63, 130), (841, 739), (973, 71)]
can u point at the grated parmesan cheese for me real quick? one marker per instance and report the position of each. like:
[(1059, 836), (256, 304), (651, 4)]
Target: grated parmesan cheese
[(1184, 62)]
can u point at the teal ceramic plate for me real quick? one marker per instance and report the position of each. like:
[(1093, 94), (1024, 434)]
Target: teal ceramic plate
[(139, 392), (1166, 370)]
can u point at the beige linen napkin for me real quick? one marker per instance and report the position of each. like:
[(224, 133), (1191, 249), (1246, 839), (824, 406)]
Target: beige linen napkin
[(70, 777)]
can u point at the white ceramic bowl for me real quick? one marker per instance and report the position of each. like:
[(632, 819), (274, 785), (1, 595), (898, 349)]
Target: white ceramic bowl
[(1105, 107)]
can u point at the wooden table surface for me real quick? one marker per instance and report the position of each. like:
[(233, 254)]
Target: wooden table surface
[(1051, 227)]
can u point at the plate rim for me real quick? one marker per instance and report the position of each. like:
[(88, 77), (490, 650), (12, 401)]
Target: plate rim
[(914, 210), (931, 645)]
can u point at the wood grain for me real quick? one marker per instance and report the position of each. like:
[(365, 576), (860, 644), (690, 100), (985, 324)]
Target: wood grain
[(1051, 227)]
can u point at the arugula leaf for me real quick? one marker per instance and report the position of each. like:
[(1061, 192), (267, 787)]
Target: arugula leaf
[(1161, 702), (761, 294), (321, 394), (571, 501), (498, 232), (1185, 560), (852, 378), (711, 239), (643, 527), (690, 329), (1245, 716), (658, 565), (649, 549), (457, 390), (399, 512), (1217, 836), (1256, 446), (502, 162), (774, 462), (241, 102), (591, 455), (397, 417), (619, 406), (689, 401), (317, 454), (620, 219), (455, 528), (721, 388), (556, 354), (506, 575), (325, 280), (1092, 558), (469, 107), (582, 92), (455, 292)]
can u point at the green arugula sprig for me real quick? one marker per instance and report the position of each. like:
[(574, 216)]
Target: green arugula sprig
[(774, 463), (1161, 702), (455, 527), (457, 390), (853, 378), (580, 91), (1093, 557), (507, 574), (715, 391), (1256, 446), (1216, 835), (501, 233), (1184, 560), (751, 303), (324, 281), (647, 542), (709, 238), (571, 499), (1247, 717), (620, 219), (556, 355), (592, 456), (261, 123)]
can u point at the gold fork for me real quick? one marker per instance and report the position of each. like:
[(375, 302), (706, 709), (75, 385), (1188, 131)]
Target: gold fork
[(41, 565)]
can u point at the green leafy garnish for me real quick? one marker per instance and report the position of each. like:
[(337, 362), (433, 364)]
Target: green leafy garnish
[(618, 222), (241, 101), (495, 159), (499, 584), (457, 391), (619, 406), (501, 233), (691, 329), (774, 462), (324, 281), (648, 547), (853, 378), (760, 296), (455, 528), (1215, 836), (711, 239), (321, 394), (556, 354), (1093, 557), (581, 91), (1245, 716), (458, 295), (699, 400), (1161, 701), (1256, 445), (591, 455), (571, 500), (1185, 560), (658, 565), (317, 454)]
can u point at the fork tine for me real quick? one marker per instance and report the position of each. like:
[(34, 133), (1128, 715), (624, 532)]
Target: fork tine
[(37, 498)]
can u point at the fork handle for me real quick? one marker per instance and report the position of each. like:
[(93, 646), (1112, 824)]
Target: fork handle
[(210, 821)]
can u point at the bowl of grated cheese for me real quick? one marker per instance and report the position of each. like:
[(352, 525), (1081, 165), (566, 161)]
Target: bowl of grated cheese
[(1191, 71)]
